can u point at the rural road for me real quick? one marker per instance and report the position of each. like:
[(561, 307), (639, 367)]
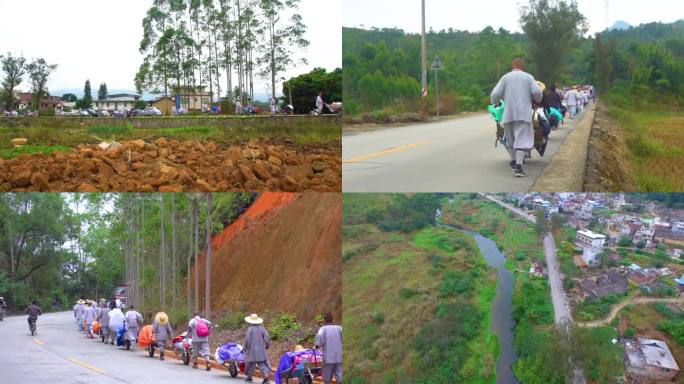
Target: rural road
[(561, 309), (455, 155), (616, 309), (60, 354)]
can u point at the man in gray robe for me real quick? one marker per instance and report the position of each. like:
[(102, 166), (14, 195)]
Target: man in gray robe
[(103, 318), (162, 332), (133, 320), (257, 341), (200, 344), (78, 313), (89, 316), (518, 90), (329, 340)]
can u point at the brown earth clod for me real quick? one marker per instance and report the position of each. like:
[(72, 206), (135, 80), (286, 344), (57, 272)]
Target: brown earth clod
[(172, 166)]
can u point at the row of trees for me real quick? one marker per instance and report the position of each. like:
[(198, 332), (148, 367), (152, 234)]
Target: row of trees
[(382, 66), (57, 247), (222, 43), (14, 69)]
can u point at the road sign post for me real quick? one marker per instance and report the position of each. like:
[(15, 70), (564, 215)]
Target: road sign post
[(436, 66)]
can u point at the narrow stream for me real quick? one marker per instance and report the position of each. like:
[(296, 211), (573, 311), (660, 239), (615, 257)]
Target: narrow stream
[(502, 308)]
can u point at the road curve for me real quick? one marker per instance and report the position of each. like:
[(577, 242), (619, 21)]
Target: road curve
[(60, 354), (455, 155)]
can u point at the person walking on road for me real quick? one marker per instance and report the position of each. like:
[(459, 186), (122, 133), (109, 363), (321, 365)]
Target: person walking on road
[(200, 328), (257, 341), (116, 321), (89, 317), (518, 89), (33, 311), (133, 322), (329, 340), (78, 313), (3, 305), (162, 332), (319, 103), (103, 319), (572, 100), (552, 99)]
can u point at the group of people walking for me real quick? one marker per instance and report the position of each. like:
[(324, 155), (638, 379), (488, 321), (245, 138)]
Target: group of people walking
[(522, 95), (111, 319)]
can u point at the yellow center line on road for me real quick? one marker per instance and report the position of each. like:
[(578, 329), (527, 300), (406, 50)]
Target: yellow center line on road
[(37, 341), (86, 365), (383, 152)]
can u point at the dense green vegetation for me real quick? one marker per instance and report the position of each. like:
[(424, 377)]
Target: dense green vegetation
[(416, 298), (305, 88), (638, 68)]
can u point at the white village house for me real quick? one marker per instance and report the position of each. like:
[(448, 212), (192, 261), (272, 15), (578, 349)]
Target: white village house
[(591, 244), (116, 102)]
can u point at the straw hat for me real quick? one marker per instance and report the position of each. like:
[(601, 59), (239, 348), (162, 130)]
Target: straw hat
[(541, 85), (299, 348), (254, 319), (161, 318)]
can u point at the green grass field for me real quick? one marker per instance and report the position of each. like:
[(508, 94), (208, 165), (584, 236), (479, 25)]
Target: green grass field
[(409, 296), (655, 143), (8, 153), (73, 136)]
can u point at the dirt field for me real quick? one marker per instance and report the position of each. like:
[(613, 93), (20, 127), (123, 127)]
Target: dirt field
[(175, 166), (282, 255)]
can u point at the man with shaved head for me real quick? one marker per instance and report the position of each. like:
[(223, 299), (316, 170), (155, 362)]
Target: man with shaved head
[(518, 90)]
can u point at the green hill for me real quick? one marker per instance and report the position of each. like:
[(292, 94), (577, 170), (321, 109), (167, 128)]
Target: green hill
[(416, 298), (382, 66)]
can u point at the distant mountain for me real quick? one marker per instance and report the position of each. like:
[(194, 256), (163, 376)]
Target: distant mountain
[(620, 25)]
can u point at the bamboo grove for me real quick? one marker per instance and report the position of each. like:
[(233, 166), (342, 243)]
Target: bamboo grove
[(220, 44)]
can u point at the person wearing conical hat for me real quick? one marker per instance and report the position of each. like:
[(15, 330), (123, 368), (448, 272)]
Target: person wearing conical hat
[(79, 310), (518, 90), (162, 332), (257, 341)]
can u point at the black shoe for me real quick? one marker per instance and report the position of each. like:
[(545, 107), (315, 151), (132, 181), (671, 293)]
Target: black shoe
[(194, 365), (519, 172), (266, 381), (208, 368), (512, 164), (248, 380)]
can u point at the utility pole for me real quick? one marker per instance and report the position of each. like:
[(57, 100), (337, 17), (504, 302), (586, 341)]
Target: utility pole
[(436, 66), (423, 64)]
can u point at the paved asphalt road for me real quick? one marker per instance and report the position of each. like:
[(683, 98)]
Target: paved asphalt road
[(561, 309), (455, 155), (60, 354)]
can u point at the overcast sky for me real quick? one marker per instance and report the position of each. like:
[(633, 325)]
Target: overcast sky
[(476, 15), (99, 39)]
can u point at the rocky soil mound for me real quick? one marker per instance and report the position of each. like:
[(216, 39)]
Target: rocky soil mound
[(173, 166)]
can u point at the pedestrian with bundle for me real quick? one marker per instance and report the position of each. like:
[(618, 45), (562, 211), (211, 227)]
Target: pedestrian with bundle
[(200, 329)]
